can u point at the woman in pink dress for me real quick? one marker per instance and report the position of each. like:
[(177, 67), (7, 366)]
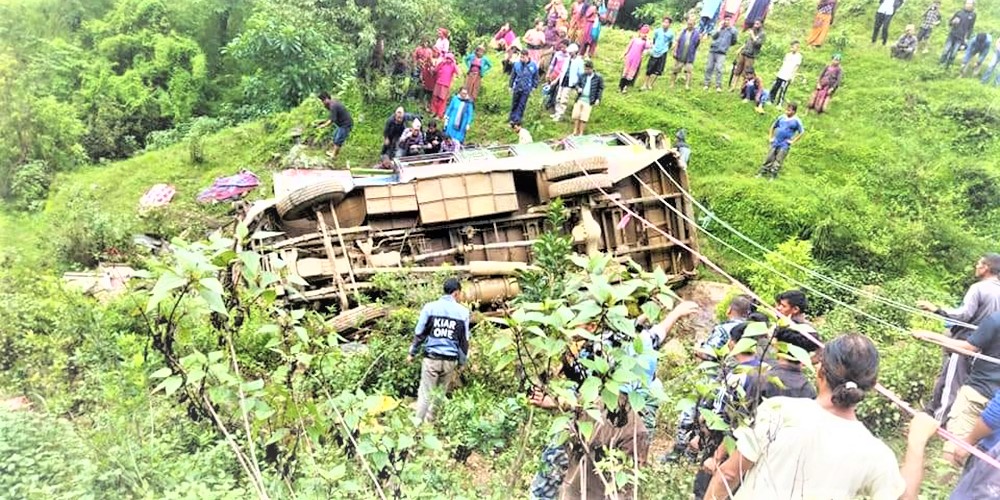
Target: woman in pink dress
[(633, 58), (534, 41), (505, 40), (731, 9), (446, 71), (588, 16)]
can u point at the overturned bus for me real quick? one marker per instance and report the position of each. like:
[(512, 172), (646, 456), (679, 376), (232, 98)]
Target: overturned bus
[(476, 213)]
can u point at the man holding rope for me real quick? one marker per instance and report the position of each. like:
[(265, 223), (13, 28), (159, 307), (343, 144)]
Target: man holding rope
[(982, 299), (983, 380)]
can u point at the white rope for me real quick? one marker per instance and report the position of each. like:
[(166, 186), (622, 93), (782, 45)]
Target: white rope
[(878, 387), (765, 265), (768, 267), (832, 281)]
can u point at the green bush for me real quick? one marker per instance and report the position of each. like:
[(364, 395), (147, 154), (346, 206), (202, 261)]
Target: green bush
[(30, 186), (84, 236)]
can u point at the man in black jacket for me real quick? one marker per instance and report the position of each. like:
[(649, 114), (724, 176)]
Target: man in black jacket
[(394, 128), (589, 91), (962, 24)]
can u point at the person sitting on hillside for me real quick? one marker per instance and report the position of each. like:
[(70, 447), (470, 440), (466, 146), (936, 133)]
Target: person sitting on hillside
[(906, 46), (754, 91), (432, 138), (394, 127), (829, 82), (795, 443), (411, 142), (978, 48), (523, 134)]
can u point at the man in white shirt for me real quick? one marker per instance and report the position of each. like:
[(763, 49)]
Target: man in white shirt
[(883, 16), (523, 135), (789, 68)]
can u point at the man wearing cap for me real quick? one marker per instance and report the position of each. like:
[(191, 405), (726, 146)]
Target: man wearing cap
[(568, 80), (411, 141), (443, 333)]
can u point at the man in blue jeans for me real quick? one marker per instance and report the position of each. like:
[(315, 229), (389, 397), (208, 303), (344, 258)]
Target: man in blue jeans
[(339, 116), (962, 24), (975, 53), (993, 71), (523, 79), (786, 130)]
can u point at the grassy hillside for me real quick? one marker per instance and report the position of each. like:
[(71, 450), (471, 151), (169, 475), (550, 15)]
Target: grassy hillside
[(881, 185)]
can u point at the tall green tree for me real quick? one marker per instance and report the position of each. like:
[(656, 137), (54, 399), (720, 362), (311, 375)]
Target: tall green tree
[(285, 54), (147, 77), (35, 131)]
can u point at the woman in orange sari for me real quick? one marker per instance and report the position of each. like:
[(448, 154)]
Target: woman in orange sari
[(822, 22), (575, 19)]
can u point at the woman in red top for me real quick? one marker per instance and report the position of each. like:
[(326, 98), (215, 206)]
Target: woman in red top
[(423, 82), (613, 7)]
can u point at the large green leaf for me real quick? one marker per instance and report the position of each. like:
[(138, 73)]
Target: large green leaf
[(168, 282)]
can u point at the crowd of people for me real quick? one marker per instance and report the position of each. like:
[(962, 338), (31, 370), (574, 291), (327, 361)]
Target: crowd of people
[(802, 430), (555, 56), (803, 438)]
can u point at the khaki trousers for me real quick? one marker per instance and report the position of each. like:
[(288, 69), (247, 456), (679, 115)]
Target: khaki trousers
[(435, 376)]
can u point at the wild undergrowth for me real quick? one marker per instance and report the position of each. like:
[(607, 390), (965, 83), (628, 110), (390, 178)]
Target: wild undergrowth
[(893, 189)]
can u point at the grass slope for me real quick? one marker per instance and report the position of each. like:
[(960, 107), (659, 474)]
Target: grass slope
[(875, 183)]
